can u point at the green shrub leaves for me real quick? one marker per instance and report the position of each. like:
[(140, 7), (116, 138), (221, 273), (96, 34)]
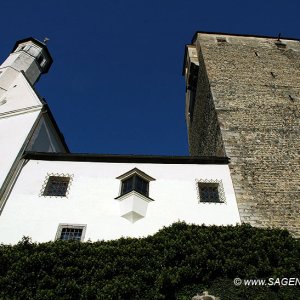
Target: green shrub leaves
[(175, 263)]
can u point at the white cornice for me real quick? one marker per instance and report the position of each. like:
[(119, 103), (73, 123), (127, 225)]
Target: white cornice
[(20, 111)]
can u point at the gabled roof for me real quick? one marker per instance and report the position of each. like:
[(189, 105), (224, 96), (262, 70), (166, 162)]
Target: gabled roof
[(133, 172), (46, 110)]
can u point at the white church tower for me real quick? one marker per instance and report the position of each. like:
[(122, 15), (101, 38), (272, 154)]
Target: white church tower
[(25, 121)]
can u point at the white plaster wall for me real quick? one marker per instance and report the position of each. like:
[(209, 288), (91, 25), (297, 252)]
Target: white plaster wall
[(7, 77), (91, 200), (13, 132), (20, 97)]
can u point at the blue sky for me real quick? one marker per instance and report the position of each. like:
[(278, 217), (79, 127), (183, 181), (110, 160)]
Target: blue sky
[(115, 85)]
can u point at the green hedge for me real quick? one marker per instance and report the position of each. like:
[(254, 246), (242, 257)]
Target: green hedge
[(175, 263)]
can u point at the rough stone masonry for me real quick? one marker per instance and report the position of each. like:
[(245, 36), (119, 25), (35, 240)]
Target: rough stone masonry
[(243, 99)]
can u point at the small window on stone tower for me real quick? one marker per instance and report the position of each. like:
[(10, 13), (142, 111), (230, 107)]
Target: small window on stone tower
[(221, 40), (56, 186), (280, 44), (192, 87), (210, 191)]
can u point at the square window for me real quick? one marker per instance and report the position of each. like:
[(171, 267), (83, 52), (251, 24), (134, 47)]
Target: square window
[(67, 232), (57, 186), (211, 191)]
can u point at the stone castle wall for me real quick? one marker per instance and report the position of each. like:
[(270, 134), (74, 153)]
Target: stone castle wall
[(204, 132), (249, 87)]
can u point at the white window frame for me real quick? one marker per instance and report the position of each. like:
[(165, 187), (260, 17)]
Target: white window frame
[(61, 226)]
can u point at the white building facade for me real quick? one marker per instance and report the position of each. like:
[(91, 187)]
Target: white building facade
[(48, 193)]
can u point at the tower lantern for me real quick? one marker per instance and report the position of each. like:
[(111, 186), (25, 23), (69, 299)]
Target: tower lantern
[(28, 55)]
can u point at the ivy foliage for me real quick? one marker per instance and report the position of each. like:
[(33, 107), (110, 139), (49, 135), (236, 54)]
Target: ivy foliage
[(176, 263)]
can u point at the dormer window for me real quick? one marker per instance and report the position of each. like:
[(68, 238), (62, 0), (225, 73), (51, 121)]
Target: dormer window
[(135, 183), (135, 180), (134, 194)]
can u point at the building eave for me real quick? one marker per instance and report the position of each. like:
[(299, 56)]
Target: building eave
[(120, 158)]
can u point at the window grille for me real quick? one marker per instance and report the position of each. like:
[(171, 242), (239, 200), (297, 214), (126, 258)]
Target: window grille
[(71, 234), (56, 186), (210, 191)]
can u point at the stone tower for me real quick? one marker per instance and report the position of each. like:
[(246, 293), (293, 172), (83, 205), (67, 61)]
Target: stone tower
[(242, 101)]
